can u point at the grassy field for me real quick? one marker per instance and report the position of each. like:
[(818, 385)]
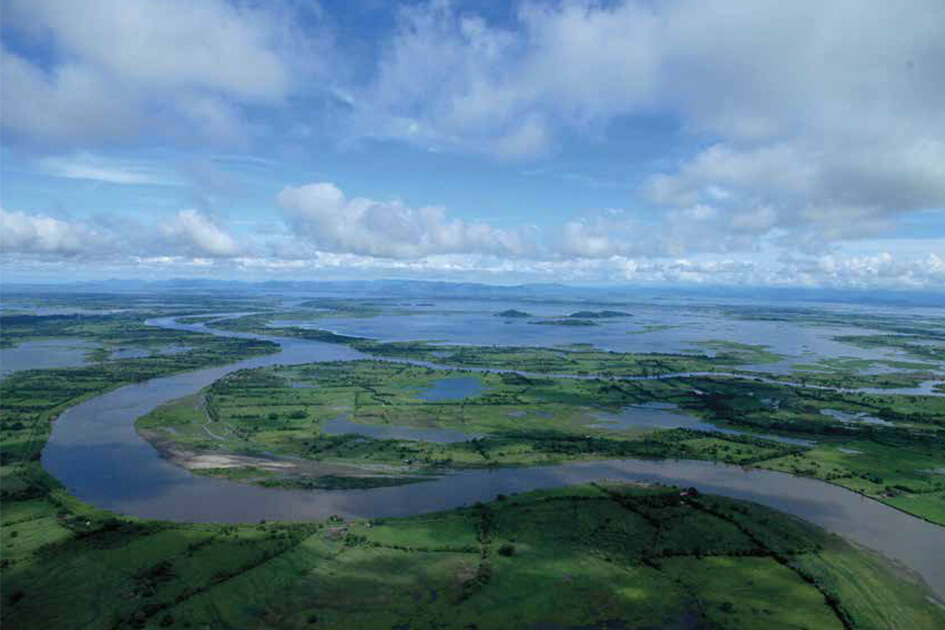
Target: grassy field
[(514, 420), (900, 477), (596, 556), (389, 431), (606, 555)]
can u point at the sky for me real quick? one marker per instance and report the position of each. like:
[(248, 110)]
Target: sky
[(639, 142)]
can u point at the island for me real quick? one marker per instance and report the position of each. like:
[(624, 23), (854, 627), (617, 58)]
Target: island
[(564, 322), (513, 314), (598, 314)]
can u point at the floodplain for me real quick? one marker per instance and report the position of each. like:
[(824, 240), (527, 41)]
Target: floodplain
[(295, 400)]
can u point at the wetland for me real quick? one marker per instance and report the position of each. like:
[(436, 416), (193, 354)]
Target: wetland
[(209, 419)]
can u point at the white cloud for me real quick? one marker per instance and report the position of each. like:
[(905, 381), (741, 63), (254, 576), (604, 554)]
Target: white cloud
[(699, 228), (451, 79), (529, 139), (199, 236), (839, 272), (120, 70), (188, 234), (322, 216), (829, 191), (603, 235), (22, 233), (190, 242), (817, 127), (165, 44), (70, 104), (96, 168), (877, 270), (827, 118)]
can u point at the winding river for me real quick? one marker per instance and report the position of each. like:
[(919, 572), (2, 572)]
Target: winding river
[(96, 453)]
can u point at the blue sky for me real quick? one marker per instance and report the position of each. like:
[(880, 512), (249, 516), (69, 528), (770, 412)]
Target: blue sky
[(640, 142)]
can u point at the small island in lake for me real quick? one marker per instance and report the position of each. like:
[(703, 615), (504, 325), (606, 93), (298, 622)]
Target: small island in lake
[(598, 314), (512, 313), (564, 322)]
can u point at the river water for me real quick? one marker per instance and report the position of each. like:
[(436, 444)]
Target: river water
[(96, 453)]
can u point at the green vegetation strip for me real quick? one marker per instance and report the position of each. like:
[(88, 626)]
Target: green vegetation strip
[(524, 421), (591, 556), (31, 400), (607, 555)]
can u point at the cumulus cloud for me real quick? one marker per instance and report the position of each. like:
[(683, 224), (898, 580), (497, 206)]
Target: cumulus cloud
[(321, 215), (827, 119), (451, 75), (189, 234), (120, 68), (695, 229), (451, 79), (799, 129), (880, 270), (22, 233), (69, 104), (198, 235), (830, 192), (192, 242), (208, 44), (602, 235)]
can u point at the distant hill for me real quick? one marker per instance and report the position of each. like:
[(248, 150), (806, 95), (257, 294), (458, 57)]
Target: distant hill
[(598, 314), (512, 313), (612, 295)]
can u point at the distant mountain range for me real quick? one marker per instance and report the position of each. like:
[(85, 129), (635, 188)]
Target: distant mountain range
[(614, 294)]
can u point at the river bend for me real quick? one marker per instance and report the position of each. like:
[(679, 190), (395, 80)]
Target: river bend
[(96, 453)]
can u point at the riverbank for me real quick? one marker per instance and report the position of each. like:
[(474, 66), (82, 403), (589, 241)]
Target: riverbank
[(375, 412), (95, 445), (584, 555)]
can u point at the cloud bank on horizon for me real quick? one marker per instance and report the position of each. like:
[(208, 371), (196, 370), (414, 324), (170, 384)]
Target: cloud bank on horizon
[(687, 141)]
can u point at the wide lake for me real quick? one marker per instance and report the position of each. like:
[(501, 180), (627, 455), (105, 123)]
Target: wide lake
[(46, 353), (671, 328)]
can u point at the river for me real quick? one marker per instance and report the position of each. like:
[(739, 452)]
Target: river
[(96, 453)]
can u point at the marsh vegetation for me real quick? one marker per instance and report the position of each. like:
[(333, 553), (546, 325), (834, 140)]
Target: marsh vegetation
[(591, 555)]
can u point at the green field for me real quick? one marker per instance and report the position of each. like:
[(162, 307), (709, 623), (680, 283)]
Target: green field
[(586, 556), (253, 415), (595, 556)]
